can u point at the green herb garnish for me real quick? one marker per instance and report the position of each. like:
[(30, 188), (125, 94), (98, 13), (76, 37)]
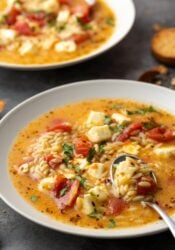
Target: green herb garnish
[(66, 160), (107, 120), (150, 124), (34, 198), (84, 26), (77, 168), (91, 155), (142, 111), (110, 21), (61, 27), (81, 179), (63, 191), (95, 215), (112, 223), (101, 148), (118, 128), (68, 150), (52, 23)]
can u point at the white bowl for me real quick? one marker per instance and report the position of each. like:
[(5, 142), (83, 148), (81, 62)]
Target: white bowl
[(20, 116), (124, 11)]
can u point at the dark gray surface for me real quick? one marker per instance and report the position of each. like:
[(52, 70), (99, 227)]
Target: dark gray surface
[(127, 61)]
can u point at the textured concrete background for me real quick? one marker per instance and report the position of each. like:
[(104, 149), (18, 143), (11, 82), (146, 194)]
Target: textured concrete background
[(127, 61)]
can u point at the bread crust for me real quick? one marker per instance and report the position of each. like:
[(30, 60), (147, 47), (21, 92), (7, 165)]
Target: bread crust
[(163, 45)]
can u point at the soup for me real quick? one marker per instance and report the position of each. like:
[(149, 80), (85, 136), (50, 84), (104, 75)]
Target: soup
[(60, 163), (52, 31)]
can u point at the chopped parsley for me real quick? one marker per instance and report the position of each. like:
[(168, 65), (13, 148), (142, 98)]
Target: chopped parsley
[(110, 21), (107, 120), (68, 150), (95, 215), (34, 198), (66, 160), (118, 128), (84, 26), (111, 223), (63, 191), (150, 124), (91, 155), (61, 27), (52, 23), (77, 168), (142, 111), (101, 148), (81, 179)]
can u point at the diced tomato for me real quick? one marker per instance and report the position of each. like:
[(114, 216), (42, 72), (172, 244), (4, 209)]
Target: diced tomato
[(60, 124), (133, 129), (39, 18), (69, 198), (82, 10), (23, 28), (80, 38), (66, 2), (116, 206), (12, 16), (147, 190), (52, 161), (59, 184), (82, 146), (161, 134)]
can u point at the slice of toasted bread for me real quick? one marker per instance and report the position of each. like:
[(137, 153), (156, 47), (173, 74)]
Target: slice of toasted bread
[(163, 45), (2, 105)]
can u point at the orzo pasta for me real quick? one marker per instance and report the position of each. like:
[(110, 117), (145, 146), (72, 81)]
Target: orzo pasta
[(52, 31), (60, 163)]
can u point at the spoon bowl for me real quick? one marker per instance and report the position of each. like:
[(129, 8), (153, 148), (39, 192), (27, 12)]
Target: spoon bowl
[(170, 223)]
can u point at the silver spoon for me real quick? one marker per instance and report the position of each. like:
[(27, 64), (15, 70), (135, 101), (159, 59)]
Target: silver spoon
[(170, 223)]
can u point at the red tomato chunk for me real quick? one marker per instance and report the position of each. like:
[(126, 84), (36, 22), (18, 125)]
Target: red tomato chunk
[(60, 124), (116, 206), (69, 198), (12, 16), (82, 146), (133, 129), (161, 134)]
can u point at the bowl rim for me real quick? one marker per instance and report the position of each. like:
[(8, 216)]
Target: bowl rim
[(82, 58), (105, 233)]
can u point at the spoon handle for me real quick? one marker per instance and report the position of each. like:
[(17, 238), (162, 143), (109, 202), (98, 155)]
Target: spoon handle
[(164, 215)]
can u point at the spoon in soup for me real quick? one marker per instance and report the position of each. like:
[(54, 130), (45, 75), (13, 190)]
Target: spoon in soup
[(170, 223)]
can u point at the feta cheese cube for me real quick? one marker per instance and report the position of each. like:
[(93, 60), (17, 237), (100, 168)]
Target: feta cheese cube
[(165, 151), (99, 193), (97, 170), (120, 118), (63, 16), (48, 6), (96, 118), (85, 204), (46, 184), (82, 163), (99, 133), (10, 2), (7, 36), (26, 47), (48, 42), (66, 46)]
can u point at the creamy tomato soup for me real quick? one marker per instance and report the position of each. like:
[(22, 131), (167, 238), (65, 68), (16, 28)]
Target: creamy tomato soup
[(60, 163), (52, 31)]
